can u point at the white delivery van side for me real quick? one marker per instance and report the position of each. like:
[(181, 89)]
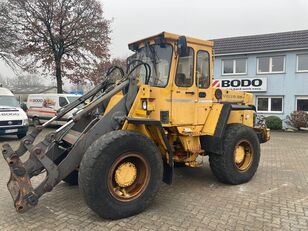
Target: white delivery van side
[(13, 119), (42, 107)]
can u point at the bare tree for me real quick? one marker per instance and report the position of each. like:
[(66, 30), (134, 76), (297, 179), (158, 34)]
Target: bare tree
[(120, 62), (7, 39), (2, 81), (68, 38), (97, 75), (29, 80)]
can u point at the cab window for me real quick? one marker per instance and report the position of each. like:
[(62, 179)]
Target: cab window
[(203, 69), (185, 70), (62, 101), (159, 59)]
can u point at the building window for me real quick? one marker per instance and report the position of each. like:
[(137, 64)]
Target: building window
[(269, 104), (302, 63), (302, 104), (274, 64), (234, 66)]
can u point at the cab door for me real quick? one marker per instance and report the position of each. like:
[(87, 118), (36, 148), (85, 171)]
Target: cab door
[(203, 81), (184, 91)]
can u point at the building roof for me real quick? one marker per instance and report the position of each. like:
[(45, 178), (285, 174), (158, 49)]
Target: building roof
[(293, 40), (30, 89)]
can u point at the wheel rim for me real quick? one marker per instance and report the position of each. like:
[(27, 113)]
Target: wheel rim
[(128, 176), (243, 155)]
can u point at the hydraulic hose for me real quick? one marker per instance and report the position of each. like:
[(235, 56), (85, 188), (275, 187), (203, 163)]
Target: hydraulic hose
[(140, 63)]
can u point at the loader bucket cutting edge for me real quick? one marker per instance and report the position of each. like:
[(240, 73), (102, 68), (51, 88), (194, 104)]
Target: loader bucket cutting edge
[(19, 184)]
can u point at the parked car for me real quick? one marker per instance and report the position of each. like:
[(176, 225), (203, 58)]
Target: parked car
[(13, 119), (42, 107)]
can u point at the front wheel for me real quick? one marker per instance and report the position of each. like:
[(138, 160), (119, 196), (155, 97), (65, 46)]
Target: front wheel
[(21, 135), (120, 174), (240, 158)]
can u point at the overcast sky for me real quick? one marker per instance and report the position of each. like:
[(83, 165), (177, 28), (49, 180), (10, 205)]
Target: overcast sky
[(205, 19)]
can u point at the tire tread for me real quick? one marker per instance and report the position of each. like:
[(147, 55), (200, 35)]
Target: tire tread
[(87, 171), (220, 165)]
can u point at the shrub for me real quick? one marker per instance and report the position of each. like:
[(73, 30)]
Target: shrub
[(298, 119), (273, 122)]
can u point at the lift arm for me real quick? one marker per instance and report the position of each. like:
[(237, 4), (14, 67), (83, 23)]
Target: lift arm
[(43, 155)]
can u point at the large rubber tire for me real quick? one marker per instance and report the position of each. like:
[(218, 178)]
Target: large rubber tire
[(98, 162), (224, 166)]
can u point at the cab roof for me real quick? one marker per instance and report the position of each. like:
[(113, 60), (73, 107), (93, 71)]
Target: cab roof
[(169, 36)]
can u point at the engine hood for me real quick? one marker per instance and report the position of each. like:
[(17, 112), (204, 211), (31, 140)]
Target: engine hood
[(12, 113)]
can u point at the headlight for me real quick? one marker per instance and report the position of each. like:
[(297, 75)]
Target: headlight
[(25, 122), (144, 105)]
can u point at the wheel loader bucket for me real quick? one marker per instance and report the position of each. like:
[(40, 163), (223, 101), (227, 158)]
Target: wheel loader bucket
[(61, 151), (19, 184)]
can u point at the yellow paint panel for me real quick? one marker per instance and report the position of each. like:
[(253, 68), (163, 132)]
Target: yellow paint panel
[(212, 119), (243, 117), (113, 101), (191, 143)]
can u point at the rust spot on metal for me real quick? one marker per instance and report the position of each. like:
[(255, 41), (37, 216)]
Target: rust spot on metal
[(38, 151), (19, 184), (39, 128)]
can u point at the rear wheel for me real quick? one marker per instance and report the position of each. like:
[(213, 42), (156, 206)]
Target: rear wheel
[(120, 174), (240, 158), (36, 122)]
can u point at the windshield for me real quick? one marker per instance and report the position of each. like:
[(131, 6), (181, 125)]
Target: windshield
[(9, 101), (159, 59), (72, 98)]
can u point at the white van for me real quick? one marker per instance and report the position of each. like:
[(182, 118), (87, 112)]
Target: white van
[(13, 119), (42, 107)]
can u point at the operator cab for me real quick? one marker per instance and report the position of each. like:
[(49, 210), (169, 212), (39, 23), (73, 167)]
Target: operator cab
[(179, 75), (189, 57)]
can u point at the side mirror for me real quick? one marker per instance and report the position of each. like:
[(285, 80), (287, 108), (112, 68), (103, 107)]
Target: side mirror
[(24, 106), (182, 46)]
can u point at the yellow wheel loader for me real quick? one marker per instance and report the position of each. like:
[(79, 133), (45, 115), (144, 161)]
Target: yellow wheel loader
[(130, 132)]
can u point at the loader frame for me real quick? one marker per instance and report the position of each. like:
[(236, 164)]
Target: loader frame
[(181, 122)]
